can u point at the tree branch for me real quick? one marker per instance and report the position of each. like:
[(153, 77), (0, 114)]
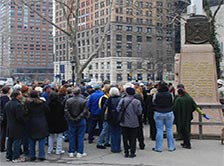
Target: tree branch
[(216, 11), (101, 39)]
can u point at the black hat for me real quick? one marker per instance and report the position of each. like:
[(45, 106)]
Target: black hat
[(180, 86), (130, 91)]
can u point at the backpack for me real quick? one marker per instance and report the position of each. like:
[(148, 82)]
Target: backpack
[(114, 117), (111, 113)]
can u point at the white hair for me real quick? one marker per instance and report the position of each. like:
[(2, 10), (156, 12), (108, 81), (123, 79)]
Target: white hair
[(39, 89), (128, 85), (114, 91)]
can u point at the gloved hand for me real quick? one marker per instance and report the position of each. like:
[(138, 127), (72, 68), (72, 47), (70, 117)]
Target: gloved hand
[(206, 116)]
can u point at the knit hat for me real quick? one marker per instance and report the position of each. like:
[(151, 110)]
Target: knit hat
[(130, 91), (97, 86), (46, 87)]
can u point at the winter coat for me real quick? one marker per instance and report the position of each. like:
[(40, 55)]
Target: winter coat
[(163, 100), (132, 112), (3, 100), (76, 108), (55, 117), (38, 127), (93, 102), (112, 114), (184, 106), (15, 119)]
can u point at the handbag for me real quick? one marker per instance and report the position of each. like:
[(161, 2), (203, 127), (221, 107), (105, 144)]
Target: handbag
[(122, 111)]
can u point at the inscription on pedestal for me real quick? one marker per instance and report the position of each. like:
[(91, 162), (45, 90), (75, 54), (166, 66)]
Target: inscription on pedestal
[(197, 71), (196, 76)]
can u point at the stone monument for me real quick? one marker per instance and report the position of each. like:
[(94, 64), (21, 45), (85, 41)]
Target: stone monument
[(195, 67)]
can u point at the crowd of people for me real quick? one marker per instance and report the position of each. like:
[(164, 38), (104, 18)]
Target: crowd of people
[(49, 115)]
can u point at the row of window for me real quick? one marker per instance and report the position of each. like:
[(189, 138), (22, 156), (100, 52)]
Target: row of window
[(119, 65), (119, 77), (138, 4)]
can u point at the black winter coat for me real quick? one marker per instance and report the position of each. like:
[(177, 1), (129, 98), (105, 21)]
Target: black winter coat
[(37, 122), (55, 117), (15, 119), (112, 114), (3, 100)]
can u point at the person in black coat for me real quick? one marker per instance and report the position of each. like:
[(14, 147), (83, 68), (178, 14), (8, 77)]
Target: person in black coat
[(15, 126), (3, 100), (56, 122), (38, 126)]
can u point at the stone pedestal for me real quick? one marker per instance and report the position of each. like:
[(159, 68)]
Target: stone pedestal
[(196, 70)]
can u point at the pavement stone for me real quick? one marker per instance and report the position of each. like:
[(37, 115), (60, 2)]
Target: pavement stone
[(203, 153)]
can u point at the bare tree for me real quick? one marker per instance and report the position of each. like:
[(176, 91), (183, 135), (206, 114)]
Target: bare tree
[(71, 12)]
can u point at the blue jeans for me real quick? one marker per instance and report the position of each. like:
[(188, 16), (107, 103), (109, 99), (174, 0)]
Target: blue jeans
[(32, 149), (115, 133), (51, 140), (13, 148), (104, 136), (162, 119), (76, 134)]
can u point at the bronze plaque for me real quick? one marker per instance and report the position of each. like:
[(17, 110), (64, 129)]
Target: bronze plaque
[(197, 30)]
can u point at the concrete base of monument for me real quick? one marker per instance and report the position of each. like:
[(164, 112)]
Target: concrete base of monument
[(196, 70)]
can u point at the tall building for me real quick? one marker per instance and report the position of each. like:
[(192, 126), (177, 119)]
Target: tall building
[(139, 45), (26, 40)]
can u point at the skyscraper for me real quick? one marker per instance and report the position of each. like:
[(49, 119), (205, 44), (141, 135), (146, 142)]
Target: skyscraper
[(26, 40), (139, 44)]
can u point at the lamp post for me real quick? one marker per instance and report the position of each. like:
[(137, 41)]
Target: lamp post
[(73, 71)]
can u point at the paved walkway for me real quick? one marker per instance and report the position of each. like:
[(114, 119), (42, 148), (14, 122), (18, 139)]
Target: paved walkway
[(203, 153)]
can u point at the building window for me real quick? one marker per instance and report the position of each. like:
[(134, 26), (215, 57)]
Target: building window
[(108, 76), (108, 37), (102, 76), (148, 38), (108, 65), (128, 28), (149, 30), (129, 54), (97, 66), (129, 37), (129, 46), (102, 65), (139, 38), (119, 77), (118, 53), (119, 27), (129, 20), (129, 76), (119, 18), (139, 21), (119, 37), (139, 76), (139, 46), (96, 76), (139, 29), (119, 65), (119, 45), (129, 65), (129, 11), (119, 10)]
